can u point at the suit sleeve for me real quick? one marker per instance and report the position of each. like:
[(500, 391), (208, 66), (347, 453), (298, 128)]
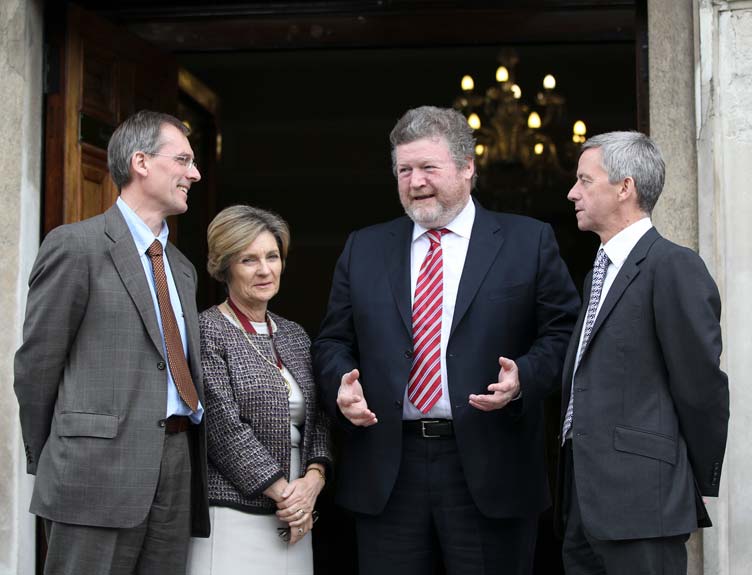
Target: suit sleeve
[(56, 304), (557, 304), (335, 350), (687, 309)]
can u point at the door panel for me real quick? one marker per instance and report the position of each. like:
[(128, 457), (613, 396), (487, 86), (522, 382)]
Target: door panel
[(98, 192), (106, 74)]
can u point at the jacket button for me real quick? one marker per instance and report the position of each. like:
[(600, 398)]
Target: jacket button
[(161, 365), (408, 354), (162, 422), (398, 403)]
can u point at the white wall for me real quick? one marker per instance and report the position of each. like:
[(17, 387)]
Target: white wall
[(20, 195), (723, 85)]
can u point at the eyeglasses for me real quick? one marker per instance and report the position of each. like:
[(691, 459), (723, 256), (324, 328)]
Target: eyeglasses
[(182, 159)]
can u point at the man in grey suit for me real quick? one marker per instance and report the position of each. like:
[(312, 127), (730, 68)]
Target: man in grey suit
[(108, 377), (645, 404)]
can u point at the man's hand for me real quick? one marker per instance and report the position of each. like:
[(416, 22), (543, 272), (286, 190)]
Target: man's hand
[(503, 391), (352, 403)]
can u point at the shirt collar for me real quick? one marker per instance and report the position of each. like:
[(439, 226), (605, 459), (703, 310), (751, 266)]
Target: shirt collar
[(462, 224), (618, 248), (142, 234)]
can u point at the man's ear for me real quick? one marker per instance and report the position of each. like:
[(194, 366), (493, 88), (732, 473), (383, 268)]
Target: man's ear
[(627, 189), (469, 166), (139, 164)]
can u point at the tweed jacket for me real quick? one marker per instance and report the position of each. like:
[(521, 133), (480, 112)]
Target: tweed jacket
[(91, 378), (248, 410)]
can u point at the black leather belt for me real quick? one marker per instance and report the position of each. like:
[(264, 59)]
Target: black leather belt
[(176, 424), (429, 428)]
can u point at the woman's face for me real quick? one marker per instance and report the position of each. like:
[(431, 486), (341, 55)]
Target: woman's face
[(253, 278)]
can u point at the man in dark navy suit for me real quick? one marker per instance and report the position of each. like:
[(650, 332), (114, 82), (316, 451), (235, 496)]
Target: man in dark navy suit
[(645, 405), (445, 331)]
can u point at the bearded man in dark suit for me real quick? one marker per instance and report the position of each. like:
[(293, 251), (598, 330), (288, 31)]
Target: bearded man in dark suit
[(446, 329)]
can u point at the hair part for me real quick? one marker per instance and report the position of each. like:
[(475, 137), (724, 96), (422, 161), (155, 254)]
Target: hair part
[(433, 122), (234, 229), (140, 132), (632, 155)]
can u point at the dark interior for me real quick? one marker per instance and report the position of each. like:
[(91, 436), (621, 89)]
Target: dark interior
[(305, 121)]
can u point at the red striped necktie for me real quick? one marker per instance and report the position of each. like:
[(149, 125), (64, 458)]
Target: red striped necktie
[(424, 387)]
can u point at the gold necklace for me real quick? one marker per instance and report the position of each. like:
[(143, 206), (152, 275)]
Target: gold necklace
[(276, 367)]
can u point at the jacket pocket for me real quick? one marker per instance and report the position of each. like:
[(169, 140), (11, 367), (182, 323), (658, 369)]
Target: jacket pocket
[(79, 424), (645, 443)]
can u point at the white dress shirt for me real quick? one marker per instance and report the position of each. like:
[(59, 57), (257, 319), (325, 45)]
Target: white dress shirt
[(617, 249), (454, 249)]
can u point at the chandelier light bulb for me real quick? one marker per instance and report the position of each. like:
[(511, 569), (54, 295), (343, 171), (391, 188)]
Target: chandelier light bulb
[(473, 121), (513, 128)]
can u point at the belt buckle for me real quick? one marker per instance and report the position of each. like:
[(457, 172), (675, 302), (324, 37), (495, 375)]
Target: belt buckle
[(423, 423)]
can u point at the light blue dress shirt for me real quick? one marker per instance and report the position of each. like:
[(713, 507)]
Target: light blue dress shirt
[(143, 238)]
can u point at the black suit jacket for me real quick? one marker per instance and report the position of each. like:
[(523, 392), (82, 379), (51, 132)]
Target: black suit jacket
[(651, 403), (515, 299)]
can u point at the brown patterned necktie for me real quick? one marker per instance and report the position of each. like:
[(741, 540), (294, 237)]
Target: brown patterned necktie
[(181, 375)]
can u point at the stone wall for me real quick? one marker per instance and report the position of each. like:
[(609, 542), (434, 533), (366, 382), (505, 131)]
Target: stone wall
[(20, 195), (724, 135)]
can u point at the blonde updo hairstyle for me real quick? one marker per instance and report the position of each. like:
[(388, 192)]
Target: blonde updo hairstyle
[(234, 229)]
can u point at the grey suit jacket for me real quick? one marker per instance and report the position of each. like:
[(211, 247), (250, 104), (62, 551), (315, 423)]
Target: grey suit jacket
[(651, 403), (91, 379)]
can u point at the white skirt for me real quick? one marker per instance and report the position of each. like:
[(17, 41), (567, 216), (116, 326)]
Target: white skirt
[(247, 544)]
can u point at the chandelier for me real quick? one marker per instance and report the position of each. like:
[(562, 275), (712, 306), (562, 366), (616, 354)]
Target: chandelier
[(510, 131)]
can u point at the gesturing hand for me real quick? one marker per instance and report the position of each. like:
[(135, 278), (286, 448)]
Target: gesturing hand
[(352, 402), (503, 391)]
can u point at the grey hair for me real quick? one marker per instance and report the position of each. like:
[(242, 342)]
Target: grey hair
[(632, 154), (432, 122), (138, 133)]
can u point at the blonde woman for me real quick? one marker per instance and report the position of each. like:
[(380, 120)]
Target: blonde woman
[(268, 441)]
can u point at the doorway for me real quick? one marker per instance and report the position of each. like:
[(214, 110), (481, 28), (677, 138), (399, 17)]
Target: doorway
[(305, 122)]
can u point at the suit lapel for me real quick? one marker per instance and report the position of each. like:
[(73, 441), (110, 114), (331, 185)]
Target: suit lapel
[(128, 264), (397, 260), (628, 272), (574, 342), (485, 241)]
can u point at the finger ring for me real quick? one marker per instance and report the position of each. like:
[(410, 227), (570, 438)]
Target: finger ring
[(301, 512), (300, 531)]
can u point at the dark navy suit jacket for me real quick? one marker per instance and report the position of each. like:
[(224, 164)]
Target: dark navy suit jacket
[(515, 299), (651, 403)]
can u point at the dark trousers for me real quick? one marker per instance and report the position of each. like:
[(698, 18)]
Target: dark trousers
[(158, 545), (583, 554), (431, 519)]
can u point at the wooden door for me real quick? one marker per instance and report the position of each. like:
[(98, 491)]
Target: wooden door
[(100, 74)]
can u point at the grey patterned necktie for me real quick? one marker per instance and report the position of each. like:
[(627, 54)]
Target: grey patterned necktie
[(599, 274)]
